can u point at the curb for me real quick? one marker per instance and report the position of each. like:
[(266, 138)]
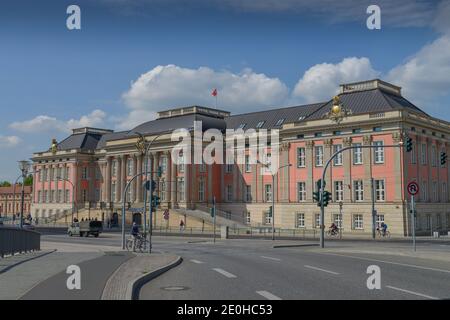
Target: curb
[(296, 245), (26, 260), (135, 286)]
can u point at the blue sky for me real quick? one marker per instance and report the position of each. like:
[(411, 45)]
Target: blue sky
[(133, 58)]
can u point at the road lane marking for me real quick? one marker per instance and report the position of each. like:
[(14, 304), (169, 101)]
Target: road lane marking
[(268, 295), (196, 261), (391, 262), (270, 258), (412, 292), (224, 273), (319, 269)]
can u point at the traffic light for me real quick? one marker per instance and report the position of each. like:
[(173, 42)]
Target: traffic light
[(316, 196), (156, 201), (408, 144), (443, 158), (151, 184), (326, 198)]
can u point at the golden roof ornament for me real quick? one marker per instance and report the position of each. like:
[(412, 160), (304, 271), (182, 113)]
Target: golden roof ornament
[(54, 146), (338, 112), (140, 144)]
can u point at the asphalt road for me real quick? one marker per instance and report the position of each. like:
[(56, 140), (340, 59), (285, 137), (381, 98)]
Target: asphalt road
[(94, 275), (253, 269)]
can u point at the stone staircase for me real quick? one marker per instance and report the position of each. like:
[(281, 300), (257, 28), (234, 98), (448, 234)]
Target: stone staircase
[(222, 218)]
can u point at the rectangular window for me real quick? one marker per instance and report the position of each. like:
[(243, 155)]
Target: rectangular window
[(423, 153), (268, 192), (438, 221), (338, 191), (39, 196), (248, 167), (300, 220), (67, 172), (358, 222), (248, 193), (318, 155), (424, 193), (316, 220), (301, 158), (428, 221), (113, 192), (357, 154), (267, 217), (433, 156), (59, 196), (201, 191), (129, 167), (413, 153), (163, 164), (181, 163), (229, 168), (229, 193), (359, 190), (84, 195), (380, 190), (301, 191), (337, 219), (434, 189), (379, 220), (181, 189), (378, 152), (162, 188), (444, 192), (114, 168), (337, 161), (67, 196), (84, 173)]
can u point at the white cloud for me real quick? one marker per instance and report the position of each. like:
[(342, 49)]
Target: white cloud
[(173, 86), (425, 75), (321, 81), (44, 123), (9, 141)]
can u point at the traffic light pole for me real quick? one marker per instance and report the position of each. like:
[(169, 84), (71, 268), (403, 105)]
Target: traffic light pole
[(322, 185)]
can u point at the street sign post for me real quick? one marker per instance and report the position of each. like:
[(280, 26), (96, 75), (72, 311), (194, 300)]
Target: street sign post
[(413, 189)]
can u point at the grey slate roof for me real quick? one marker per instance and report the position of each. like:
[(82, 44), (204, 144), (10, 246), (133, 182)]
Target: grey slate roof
[(271, 117), (369, 101), (83, 141)]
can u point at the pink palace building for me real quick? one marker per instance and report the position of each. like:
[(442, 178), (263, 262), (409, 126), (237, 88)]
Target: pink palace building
[(87, 172)]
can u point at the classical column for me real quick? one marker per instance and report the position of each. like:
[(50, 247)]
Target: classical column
[(347, 163), (396, 136), (367, 161), (135, 182), (235, 182), (210, 186), (123, 177), (310, 165), (328, 144), (254, 182), (173, 182), (284, 173), (139, 179), (108, 180), (168, 177)]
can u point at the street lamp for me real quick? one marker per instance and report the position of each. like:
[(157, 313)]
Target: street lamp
[(24, 166), (273, 192), (73, 194)]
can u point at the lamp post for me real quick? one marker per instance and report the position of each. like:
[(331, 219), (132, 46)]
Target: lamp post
[(24, 167), (273, 192), (73, 194)]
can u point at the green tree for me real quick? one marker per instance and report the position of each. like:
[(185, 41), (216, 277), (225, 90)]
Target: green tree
[(29, 180), (5, 184)]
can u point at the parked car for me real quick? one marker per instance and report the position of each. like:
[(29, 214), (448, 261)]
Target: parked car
[(85, 228)]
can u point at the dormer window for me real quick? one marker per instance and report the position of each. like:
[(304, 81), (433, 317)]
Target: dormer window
[(260, 124), (301, 118), (279, 122), (242, 126)]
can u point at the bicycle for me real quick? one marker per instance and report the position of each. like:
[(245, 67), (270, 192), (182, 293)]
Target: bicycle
[(140, 245), (333, 233), (382, 234)]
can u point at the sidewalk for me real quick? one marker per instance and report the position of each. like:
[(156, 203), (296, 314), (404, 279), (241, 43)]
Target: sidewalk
[(125, 283)]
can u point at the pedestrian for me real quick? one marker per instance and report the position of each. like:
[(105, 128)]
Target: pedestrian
[(181, 225)]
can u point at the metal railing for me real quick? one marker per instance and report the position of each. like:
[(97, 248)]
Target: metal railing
[(14, 240)]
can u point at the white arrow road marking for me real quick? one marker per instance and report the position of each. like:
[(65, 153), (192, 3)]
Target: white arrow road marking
[(319, 269), (270, 258), (224, 273), (268, 295), (196, 261), (412, 292)]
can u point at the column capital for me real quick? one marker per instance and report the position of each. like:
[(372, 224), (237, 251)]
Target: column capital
[(397, 137), (367, 140), (285, 146), (347, 141), (328, 142), (309, 144)]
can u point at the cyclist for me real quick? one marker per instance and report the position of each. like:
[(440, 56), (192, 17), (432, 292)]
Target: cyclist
[(333, 228), (135, 234), (383, 228)]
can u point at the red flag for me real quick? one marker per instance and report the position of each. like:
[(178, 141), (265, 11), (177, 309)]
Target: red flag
[(214, 93)]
